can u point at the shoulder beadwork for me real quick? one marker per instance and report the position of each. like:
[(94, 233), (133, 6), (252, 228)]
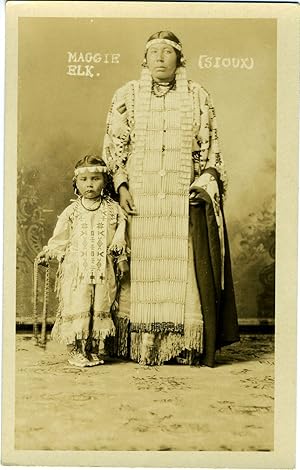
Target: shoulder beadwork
[(196, 87), (72, 210), (124, 90)]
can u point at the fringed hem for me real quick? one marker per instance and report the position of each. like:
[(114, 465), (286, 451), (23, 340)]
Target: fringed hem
[(193, 337), (157, 348), (73, 336), (103, 334), (68, 331), (103, 325), (162, 327), (60, 335)]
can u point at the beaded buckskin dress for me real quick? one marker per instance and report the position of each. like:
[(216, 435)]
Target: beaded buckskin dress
[(159, 142)]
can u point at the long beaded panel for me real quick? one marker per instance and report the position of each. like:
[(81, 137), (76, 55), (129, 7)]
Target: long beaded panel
[(160, 186)]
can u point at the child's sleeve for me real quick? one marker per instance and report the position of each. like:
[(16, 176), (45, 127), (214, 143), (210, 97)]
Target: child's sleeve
[(118, 247), (56, 246)]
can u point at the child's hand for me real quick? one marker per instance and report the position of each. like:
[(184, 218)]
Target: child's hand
[(43, 258), (122, 269)]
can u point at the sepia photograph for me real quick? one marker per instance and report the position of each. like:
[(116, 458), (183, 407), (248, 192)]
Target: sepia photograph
[(150, 234)]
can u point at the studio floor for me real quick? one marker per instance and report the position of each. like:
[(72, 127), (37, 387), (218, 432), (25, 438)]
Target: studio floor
[(124, 406)]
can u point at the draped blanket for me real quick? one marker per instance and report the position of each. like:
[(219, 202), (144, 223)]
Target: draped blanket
[(217, 303)]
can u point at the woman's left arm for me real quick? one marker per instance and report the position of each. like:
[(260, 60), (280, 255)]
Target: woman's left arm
[(117, 139), (214, 157), (210, 159), (118, 247)]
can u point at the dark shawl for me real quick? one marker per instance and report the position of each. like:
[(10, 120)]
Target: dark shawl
[(218, 306)]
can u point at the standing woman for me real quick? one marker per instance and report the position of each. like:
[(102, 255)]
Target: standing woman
[(162, 148)]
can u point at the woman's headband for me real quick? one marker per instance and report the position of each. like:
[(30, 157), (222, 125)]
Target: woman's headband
[(163, 41), (91, 169)]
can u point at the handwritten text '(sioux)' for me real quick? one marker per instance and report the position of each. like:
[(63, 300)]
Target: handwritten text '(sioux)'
[(207, 62)]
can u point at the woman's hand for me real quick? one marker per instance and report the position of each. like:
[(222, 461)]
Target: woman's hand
[(43, 258), (122, 269), (194, 197), (126, 201)]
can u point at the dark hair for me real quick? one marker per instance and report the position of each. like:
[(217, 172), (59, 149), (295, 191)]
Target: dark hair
[(171, 36), (94, 160), (90, 160)]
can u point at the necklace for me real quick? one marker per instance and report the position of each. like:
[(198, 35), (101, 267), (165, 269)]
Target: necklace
[(161, 89), (87, 208)]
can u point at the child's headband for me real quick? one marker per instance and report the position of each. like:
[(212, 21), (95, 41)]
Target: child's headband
[(91, 169), (163, 41)]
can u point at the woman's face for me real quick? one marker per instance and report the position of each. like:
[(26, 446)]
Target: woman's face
[(161, 60), (90, 184)]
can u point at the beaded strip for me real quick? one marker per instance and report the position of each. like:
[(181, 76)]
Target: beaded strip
[(92, 243), (90, 169), (156, 307), (153, 42)]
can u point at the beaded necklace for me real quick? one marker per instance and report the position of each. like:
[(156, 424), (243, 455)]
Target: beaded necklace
[(87, 208), (161, 89)]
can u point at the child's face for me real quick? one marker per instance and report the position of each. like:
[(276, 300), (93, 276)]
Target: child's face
[(90, 184)]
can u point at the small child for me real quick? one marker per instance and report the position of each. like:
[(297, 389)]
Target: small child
[(89, 243)]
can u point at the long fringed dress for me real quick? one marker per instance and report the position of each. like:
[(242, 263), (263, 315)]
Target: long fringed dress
[(159, 147), (88, 244)]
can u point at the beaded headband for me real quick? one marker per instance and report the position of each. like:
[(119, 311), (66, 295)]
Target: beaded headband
[(163, 41), (91, 169)]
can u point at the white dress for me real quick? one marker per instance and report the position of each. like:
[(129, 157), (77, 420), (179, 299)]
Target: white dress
[(88, 244)]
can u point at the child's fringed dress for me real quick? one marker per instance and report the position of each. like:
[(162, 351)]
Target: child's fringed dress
[(88, 244)]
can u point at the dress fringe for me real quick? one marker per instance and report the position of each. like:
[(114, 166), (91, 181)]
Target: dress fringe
[(67, 330), (157, 348)]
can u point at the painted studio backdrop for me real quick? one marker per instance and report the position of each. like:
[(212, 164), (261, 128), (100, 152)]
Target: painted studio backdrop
[(69, 69)]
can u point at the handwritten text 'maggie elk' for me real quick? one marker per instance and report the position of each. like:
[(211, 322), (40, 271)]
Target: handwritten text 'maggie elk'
[(82, 64)]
